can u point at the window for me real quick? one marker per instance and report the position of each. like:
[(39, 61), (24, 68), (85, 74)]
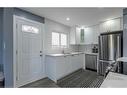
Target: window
[(59, 40), (55, 39), (63, 40), (30, 29)]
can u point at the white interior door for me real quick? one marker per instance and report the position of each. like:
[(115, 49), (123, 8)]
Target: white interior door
[(29, 65)]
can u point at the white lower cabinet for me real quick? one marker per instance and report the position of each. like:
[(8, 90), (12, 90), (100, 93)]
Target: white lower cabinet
[(63, 66), (77, 62), (60, 66)]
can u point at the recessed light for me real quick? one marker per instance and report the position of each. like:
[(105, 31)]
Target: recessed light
[(67, 18)]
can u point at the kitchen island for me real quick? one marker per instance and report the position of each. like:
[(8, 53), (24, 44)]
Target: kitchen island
[(60, 65)]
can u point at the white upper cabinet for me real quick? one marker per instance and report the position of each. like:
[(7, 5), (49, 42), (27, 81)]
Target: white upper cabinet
[(111, 25), (77, 36), (73, 36), (95, 33), (82, 36), (91, 34), (121, 23)]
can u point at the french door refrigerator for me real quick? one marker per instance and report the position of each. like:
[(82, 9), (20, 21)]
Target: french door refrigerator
[(110, 48)]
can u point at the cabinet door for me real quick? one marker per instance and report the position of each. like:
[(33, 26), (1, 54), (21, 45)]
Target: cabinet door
[(77, 35), (110, 25), (80, 35), (95, 33), (68, 66), (80, 61), (63, 66), (77, 62), (73, 35), (91, 34), (115, 25), (88, 35), (74, 62), (121, 23), (60, 67), (103, 27)]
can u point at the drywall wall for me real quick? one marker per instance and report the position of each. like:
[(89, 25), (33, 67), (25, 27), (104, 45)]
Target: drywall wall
[(8, 50), (8, 39), (1, 39)]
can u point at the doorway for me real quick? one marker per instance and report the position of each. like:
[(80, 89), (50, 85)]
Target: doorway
[(28, 49)]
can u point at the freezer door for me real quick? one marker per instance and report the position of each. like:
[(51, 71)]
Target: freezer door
[(103, 45), (112, 46), (119, 46), (109, 47)]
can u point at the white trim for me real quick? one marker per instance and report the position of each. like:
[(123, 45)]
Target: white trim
[(14, 51), (15, 45), (43, 48)]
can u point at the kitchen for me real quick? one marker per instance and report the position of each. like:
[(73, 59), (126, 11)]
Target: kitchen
[(68, 47)]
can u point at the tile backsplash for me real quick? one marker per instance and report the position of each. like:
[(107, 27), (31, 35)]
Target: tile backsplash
[(87, 48)]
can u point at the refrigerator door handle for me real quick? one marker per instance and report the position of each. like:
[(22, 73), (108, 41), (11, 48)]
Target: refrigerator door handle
[(113, 61), (118, 51)]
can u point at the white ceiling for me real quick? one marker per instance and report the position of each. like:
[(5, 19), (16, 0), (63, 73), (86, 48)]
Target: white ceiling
[(78, 16)]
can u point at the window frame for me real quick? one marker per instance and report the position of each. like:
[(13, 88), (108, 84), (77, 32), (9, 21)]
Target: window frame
[(60, 46), (30, 29), (55, 46)]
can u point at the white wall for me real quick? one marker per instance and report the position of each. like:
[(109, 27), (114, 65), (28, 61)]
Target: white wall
[(52, 26)]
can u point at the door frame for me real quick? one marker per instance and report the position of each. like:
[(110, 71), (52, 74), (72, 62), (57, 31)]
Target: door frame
[(15, 18)]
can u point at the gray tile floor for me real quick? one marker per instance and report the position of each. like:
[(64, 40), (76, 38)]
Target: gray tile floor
[(79, 79)]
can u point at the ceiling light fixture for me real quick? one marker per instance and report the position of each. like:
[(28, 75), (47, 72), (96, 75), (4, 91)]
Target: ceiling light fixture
[(67, 18)]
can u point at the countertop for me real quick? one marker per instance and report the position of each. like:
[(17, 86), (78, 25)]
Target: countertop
[(115, 80), (72, 53), (66, 54), (91, 53)]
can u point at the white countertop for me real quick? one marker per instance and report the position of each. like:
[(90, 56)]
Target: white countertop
[(66, 54), (115, 80), (91, 53), (72, 53)]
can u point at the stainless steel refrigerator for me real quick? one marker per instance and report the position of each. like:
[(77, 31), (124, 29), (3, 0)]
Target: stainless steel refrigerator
[(110, 48)]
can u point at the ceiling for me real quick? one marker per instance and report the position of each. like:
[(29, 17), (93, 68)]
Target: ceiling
[(78, 16)]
